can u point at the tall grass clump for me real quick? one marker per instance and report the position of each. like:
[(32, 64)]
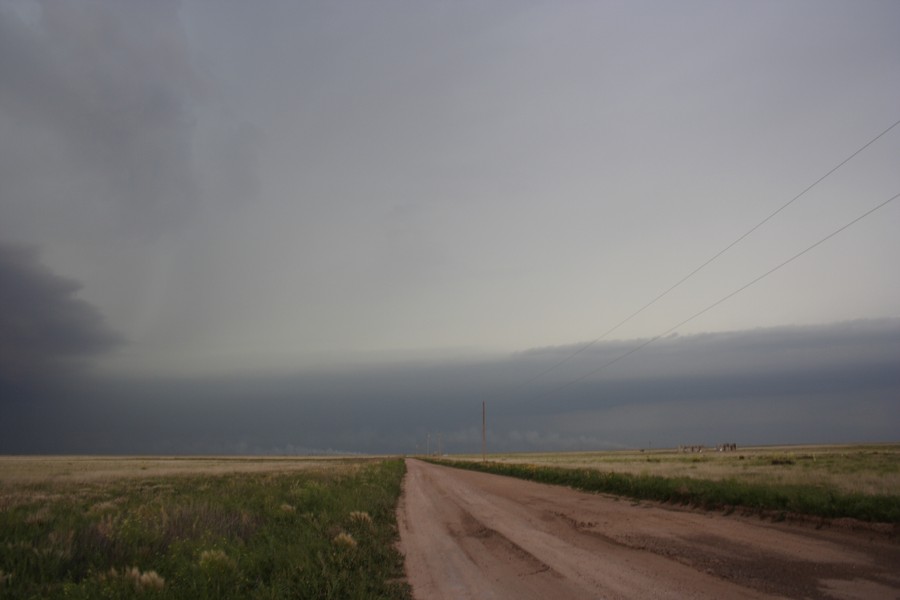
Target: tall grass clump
[(285, 534), (811, 500)]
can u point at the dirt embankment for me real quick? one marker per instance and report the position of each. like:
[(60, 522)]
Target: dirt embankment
[(475, 535)]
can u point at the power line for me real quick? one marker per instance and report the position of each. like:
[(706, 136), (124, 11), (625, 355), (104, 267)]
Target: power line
[(710, 260), (643, 345)]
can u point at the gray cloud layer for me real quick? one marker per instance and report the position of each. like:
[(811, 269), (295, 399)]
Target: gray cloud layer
[(242, 185), (99, 96)]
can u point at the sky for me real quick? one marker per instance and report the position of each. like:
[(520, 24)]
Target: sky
[(302, 227)]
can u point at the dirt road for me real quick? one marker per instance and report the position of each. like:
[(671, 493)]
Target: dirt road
[(474, 535)]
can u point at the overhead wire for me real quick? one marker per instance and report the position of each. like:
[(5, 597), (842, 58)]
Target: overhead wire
[(646, 343), (708, 261)]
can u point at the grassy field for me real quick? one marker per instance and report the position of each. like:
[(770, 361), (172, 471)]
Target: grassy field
[(861, 482), (83, 527)]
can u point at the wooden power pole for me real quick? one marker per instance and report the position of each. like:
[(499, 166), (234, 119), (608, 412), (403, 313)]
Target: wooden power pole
[(483, 439)]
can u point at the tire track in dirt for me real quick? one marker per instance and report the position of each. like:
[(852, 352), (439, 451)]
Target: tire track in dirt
[(475, 535)]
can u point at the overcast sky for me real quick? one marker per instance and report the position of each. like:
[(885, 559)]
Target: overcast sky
[(301, 226)]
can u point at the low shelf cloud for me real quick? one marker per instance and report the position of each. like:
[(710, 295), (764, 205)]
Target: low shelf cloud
[(319, 228), (817, 384)]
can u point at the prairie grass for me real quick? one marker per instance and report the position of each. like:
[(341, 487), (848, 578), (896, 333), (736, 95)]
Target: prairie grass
[(208, 528), (85, 469), (866, 469), (861, 482)]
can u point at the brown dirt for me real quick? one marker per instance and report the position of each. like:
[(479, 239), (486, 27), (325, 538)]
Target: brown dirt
[(475, 535)]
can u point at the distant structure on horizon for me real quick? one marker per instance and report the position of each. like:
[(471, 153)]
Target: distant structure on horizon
[(701, 448)]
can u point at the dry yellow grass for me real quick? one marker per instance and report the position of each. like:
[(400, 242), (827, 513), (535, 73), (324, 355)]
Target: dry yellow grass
[(214, 558), (361, 517), (38, 469), (867, 469), (148, 579), (344, 540)]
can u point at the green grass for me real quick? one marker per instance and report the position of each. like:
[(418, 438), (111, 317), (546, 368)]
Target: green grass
[(722, 493), (323, 532)]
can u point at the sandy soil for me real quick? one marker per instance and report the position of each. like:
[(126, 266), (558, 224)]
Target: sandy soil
[(475, 535)]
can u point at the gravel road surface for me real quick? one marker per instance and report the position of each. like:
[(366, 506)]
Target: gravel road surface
[(474, 535)]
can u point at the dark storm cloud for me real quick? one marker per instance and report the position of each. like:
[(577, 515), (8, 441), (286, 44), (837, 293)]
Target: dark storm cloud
[(95, 106), (762, 349), (44, 327), (835, 383)]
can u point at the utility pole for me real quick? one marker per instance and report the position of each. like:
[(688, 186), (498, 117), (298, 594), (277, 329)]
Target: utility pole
[(483, 438), (427, 444)]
